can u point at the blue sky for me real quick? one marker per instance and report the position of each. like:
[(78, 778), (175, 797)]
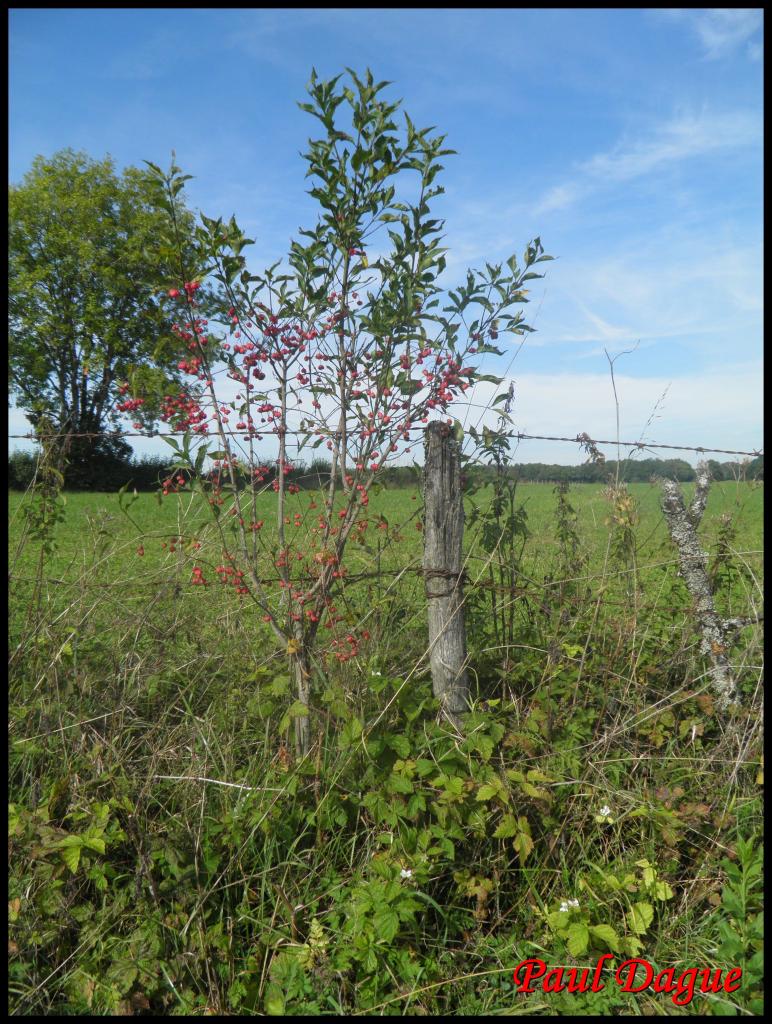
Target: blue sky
[(629, 140)]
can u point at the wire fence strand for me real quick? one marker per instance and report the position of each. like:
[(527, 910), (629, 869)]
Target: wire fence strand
[(581, 439)]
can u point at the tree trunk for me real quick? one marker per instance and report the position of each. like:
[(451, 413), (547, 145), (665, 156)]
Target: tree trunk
[(443, 575)]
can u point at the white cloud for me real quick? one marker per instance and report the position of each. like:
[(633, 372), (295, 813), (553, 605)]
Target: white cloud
[(755, 51), (605, 330), (685, 136), (557, 198), (714, 409), (682, 138), (723, 30), (701, 289)]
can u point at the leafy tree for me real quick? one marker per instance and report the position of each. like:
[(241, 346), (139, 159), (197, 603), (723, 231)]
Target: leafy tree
[(85, 285)]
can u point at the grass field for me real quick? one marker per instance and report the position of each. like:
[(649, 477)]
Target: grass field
[(96, 521), (169, 855)]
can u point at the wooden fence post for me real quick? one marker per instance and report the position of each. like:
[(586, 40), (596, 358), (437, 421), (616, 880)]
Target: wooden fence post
[(443, 574)]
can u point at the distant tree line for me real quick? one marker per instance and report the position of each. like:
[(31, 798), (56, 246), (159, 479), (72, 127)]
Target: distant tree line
[(105, 473), (108, 471), (631, 471)]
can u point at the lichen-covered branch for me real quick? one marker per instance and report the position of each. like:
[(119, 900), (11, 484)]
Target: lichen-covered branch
[(715, 632), (700, 499)]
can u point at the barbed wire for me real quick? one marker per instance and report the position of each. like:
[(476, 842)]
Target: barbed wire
[(581, 439), (638, 444)]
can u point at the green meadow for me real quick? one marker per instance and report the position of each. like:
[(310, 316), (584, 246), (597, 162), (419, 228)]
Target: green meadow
[(168, 853), (88, 516)]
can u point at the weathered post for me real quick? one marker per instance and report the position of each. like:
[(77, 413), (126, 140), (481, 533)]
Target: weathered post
[(443, 574)]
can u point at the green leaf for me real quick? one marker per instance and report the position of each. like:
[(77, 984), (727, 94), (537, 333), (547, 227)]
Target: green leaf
[(453, 789), (399, 744), (631, 945), (523, 842), (507, 827), (274, 1001), (200, 457), (415, 805), (399, 784), (69, 850), (558, 919), (59, 800), (297, 710), (640, 917), (14, 818), (649, 875), (534, 792), (386, 924), (487, 792), (662, 891), (606, 934), (578, 938), (94, 843), (122, 974), (350, 733)]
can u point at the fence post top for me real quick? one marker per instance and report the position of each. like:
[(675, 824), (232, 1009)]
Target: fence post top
[(439, 427)]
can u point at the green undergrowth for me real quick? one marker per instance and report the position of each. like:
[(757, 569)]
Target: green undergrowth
[(169, 855)]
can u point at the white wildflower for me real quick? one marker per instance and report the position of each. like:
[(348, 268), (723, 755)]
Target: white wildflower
[(406, 873), (604, 815)]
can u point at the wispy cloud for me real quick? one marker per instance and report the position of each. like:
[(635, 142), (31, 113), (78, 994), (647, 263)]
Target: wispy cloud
[(687, 295), (723, 31), (604, 330), (682, 138), (755, 51), (685, 136), (558, 198)]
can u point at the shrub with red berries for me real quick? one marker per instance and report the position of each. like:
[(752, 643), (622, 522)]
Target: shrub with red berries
[(339, 352)]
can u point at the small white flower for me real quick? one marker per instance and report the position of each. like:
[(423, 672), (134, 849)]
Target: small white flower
[(567, 905), (573, 903), (563, 907), (406, 873), (374, 673), (604, 815)]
